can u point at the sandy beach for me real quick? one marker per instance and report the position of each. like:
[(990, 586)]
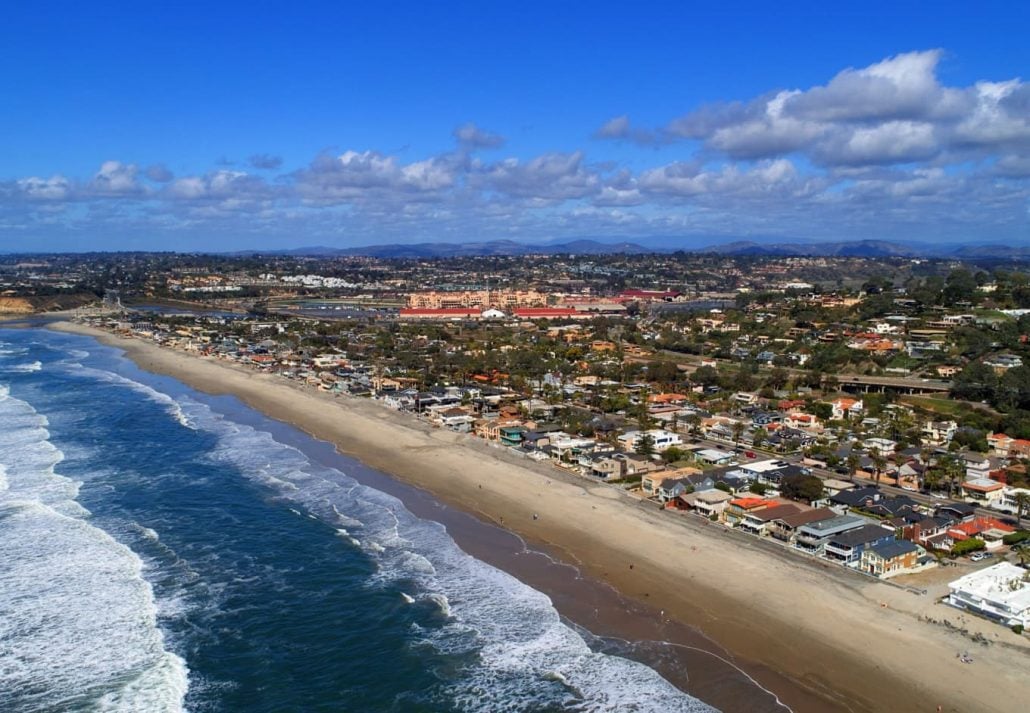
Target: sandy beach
[(819, 637)]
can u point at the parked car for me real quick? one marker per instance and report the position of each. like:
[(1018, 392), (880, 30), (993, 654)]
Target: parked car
[(750, 454), (980, 556)]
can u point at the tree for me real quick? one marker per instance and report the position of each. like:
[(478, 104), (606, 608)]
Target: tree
[(808, 488), (738, 431), (758, 488), (673, 454), (953, 470), (645, 446), (760, 437), (1022, 499), (705, 376), (853, 463), (878, 463)]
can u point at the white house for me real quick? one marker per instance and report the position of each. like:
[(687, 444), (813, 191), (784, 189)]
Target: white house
[(846, 408), (660, 439), (939, 433), (1000, 593)]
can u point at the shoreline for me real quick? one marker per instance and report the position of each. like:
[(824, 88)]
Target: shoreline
[(819, 638)]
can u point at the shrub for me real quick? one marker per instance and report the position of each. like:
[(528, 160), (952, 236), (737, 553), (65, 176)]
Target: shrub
[(1014, 538), (966, 546)]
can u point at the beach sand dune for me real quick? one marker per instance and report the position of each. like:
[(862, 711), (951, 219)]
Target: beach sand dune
[(820, 637)]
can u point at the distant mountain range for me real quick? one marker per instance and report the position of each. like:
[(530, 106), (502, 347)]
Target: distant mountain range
[(855, 248), (872, 249), (441, 250)]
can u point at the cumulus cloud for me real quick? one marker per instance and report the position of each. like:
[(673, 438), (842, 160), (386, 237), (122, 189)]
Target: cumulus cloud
[(470, 137), (115, 178), (550, 177), (50, 189), (894, 111), (264, 161), (159, 173), (620, 128), (366, 175)]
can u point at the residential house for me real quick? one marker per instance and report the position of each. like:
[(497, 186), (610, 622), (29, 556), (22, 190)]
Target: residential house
[(984, 491), (1000, 593), (929, 532), (939, 433), (801, 421), (454, 419), (881, 446), (889, 558), (512, 435), (1009, 500), (757, 522), (784, 527), (999, 444), (989, 529), (714, 456), (844, 408), (812, 537), (738, 508), (846, 547), (661, 439), (707, 503)]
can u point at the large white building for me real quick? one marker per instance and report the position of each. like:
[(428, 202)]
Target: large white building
[(660, 439), (1000, 593)]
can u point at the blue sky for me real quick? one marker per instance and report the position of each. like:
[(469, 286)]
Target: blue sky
[(261, 124)]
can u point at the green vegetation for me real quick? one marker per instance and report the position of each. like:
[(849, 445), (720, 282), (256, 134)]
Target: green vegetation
[(966, 547)]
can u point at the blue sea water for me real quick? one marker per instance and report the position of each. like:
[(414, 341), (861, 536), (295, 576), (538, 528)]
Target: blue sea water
[(163, 550)]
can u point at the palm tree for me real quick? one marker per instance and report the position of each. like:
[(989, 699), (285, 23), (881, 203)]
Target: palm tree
[(1022, 500), (853, 462), (954, 470), (878, 463), (738, 431)]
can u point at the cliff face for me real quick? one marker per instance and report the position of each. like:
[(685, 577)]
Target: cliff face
[(16, 305), (34, 305)]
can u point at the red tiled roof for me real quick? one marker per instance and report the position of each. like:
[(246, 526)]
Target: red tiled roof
[(542, 312)]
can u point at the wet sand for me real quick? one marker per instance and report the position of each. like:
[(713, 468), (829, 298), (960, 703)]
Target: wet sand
[(819, 637)]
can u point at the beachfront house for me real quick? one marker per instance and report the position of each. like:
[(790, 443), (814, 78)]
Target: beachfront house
[(785, 527), (707, 503), (757, 522), (889, 558), (1000, 593), (812, 537), (739, 508), (846, 548)]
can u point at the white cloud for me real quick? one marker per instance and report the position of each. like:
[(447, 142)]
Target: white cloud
[(550, 177), (53, 188), (894, 111), (471, 137)]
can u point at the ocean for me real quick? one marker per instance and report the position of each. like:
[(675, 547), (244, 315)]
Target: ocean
[(165, 550)]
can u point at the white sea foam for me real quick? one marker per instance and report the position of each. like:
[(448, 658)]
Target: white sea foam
[(78, 622), (24, 368), (174, 407), (526, 657)]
